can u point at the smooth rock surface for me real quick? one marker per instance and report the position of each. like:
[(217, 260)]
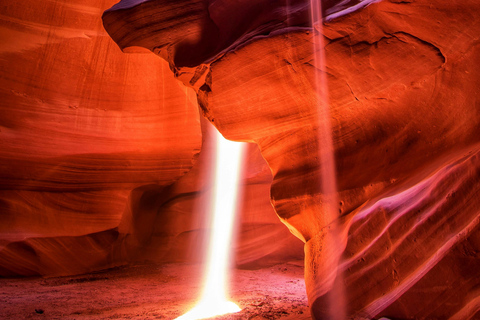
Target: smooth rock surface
[(77, 135), (102, 155), (404, 108)]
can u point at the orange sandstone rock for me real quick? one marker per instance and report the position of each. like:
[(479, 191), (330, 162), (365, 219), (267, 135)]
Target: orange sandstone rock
[(102, 156), (402, 88), (81, 125)]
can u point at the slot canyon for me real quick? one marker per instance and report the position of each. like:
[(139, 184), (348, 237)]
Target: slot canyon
[(108, 118)]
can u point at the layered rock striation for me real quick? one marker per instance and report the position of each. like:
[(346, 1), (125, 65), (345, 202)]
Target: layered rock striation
[(104, 159), (405, 117), (77, 135)]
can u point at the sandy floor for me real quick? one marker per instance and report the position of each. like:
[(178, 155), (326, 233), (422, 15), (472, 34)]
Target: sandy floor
[(152, 292)]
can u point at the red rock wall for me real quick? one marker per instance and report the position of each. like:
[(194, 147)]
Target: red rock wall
[(77, 135), (402, 85), (170, 224), (92, 143)]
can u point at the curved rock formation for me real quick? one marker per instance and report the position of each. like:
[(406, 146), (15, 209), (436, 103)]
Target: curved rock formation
[(100, 152), (402, 84), (77, 135)]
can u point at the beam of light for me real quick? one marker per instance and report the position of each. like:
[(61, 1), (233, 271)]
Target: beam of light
[(214, 302), (328, 184)]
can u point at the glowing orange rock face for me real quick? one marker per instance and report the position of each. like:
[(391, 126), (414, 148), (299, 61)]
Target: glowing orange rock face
[(77, 135), (102, 156), (403, 82)]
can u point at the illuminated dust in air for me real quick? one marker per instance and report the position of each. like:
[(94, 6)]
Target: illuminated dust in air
[(328, 184), (213, 301)]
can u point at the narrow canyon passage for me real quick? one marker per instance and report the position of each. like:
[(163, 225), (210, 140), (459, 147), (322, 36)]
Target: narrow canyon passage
[(105, 156)]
